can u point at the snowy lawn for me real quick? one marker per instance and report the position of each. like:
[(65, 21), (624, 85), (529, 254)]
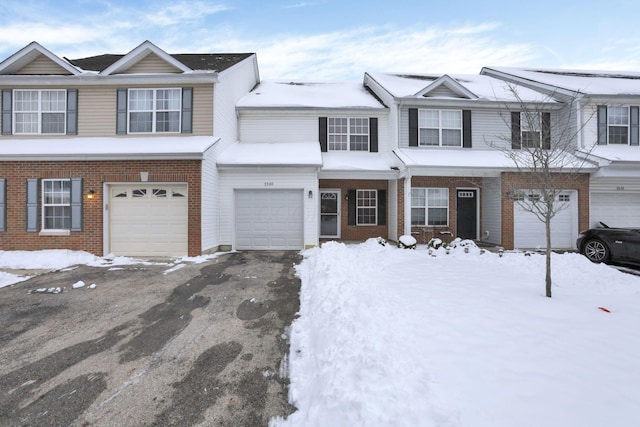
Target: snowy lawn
[(393, 337)]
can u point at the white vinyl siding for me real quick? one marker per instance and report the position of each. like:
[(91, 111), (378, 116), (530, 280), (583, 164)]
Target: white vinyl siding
[(488, 128), (300, 125), (209, 197), (491, 210)]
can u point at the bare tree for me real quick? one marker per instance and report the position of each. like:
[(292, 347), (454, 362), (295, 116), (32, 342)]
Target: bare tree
[(542, 148)]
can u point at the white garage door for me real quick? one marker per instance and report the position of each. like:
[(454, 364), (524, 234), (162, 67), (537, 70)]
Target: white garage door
[(148, 220), (529, 231), (615, 209), (269, 219)]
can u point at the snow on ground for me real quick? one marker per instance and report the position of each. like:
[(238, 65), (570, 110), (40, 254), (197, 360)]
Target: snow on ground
[(388, 336), (57, 259)]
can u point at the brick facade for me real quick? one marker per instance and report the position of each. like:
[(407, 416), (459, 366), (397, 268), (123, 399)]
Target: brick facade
[(513, 181), (357, 232), (424, 233), (94, 175)]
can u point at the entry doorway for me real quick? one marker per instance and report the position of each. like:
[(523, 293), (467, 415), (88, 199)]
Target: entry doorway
[(467, 213), (330, 213)]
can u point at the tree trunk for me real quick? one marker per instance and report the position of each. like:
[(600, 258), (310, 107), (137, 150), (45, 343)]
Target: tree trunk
[(547, 225)]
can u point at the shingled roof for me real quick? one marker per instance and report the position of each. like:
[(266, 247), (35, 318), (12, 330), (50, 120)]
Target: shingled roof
[(196, 61)]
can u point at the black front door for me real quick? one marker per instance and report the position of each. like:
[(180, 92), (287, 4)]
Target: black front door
[(467, 218)]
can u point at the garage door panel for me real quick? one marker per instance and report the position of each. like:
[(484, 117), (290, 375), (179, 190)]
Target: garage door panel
[(269, 219), (529, 231), (153, 225), (615, 209)]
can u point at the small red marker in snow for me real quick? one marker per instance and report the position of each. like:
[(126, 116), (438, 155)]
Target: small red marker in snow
[(604, 309)]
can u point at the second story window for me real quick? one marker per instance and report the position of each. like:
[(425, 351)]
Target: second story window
[(531, 129), (39, 111), (440, 128), (347, 134), (154, 110), (618, 125)]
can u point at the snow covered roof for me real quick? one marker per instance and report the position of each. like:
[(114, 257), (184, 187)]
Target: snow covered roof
[(582, 81), (472, 160), (615, 153), (359, 161), (271, 154), (271, 93), (466, 86), (147, 148)]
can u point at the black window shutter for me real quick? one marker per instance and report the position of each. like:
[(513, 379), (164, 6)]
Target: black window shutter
[(634, 119), (382, 207), (72, 111), (516, 141), (3, 204), (187, 110), (351, 196), (6, 112), (373, 134), (546, 131), (466, 128), (322, 133), (602, 125), (413, 127), (33, 219), (76, 204), (121, 112)]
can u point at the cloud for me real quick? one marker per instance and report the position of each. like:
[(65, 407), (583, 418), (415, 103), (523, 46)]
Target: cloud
[(297, 5), (184, 11)]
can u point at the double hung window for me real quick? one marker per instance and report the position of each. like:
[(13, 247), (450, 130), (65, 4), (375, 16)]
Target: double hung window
[(39, 111), (366, 207), (56, 204), (347, 134), (154, 110), (440, 128), (430, 206), (618, 125)]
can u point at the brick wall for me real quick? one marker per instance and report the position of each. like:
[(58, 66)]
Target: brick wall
[(424, 233), (357, 232), (514, 181), (94, 174)]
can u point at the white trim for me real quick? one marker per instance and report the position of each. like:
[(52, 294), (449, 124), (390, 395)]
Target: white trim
[(451, 84), (22, 58)]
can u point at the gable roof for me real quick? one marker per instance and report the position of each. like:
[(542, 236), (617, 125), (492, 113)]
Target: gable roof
[(185, 62), (473, 86), (453, 87), (588, 82), (28, 54)]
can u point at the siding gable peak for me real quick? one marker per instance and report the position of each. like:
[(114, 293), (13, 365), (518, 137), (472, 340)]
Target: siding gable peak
[(138, 56), (35, 59), (446, 86)]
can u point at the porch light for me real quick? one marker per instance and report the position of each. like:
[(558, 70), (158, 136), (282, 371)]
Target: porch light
[(310, 195), (91, 194)]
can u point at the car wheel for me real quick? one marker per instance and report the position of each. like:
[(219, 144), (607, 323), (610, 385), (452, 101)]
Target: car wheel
[(596, 250)]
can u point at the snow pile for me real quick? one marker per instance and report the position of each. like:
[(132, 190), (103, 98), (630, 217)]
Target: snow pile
[(46, 259), (394, 337)]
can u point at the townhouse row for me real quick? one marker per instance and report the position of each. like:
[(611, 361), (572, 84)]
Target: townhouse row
[(156, 154)]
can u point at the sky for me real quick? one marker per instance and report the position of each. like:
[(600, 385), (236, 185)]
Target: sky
[(340, 40)]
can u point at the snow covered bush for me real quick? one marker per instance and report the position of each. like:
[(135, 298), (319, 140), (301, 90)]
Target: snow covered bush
[(435, 243), (407, 242)]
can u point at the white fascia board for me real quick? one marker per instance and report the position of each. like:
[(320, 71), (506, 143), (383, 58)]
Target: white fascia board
[(358, 174), (95, 79), (101, 156), (476, 104), (451, 84), (293, 108), (487, 71)]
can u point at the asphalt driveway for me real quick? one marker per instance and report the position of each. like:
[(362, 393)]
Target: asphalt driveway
[(201, 345)]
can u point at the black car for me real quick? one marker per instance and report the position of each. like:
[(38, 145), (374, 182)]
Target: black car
[(606, 244)]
